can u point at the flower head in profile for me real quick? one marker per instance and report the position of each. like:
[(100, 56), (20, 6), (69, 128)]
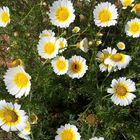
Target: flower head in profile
[(136, 9), (47, 33), (4, 16), (105, 14), (121, 45), (118, 60), (62, 44), (60, 65), (62, 13), (77, 67), (126, 3), (83, 45), (12, 118), (132, 28), (48, 47), (67, 132), (17, 81), (122, 91), (102, 56)]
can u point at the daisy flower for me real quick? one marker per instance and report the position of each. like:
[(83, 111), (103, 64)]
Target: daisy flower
[(24, 134), (77, 67), (76, 29), (12, 118), (60, 65), (17, 81), (47, 33), (102, 56), (105, 14), (136, 9), (121, 45), (83, 45), (48, 47), (62, 13), (126, 3), (62, 44), (118, 60), (121, 91), (67, 132), (95, 138), (132, 28), (4, 16)]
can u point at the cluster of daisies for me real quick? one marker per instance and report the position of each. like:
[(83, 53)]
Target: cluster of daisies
[(61, 14), (105, 15), (50, 47)]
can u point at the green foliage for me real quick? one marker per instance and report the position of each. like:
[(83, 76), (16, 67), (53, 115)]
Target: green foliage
[(58, 100)]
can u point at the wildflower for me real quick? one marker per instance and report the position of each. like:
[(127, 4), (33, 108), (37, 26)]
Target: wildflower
[(105, 14), (62, 44), (48, 47), (77, 67), (136, 9), (47, 33), (102, 56), (132, 28), (76, 29), (4, 16), (83, 45), (11, 117), (62, 13), (121, 45), (126, 3), (67, 132), (60, 65), (121, 91), (17, 81), (118, 60)]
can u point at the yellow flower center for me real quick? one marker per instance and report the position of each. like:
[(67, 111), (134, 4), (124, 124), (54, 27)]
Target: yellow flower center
[(121, 45), (21, 80), (76, 67), (121, 90), (5, 17), (134, 27), (61, 65), (49, 48), (10, 116), (117, 57), (62, 14), (137, 8), (68, 135), (62, 45), (105, 15), (127, 3)]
